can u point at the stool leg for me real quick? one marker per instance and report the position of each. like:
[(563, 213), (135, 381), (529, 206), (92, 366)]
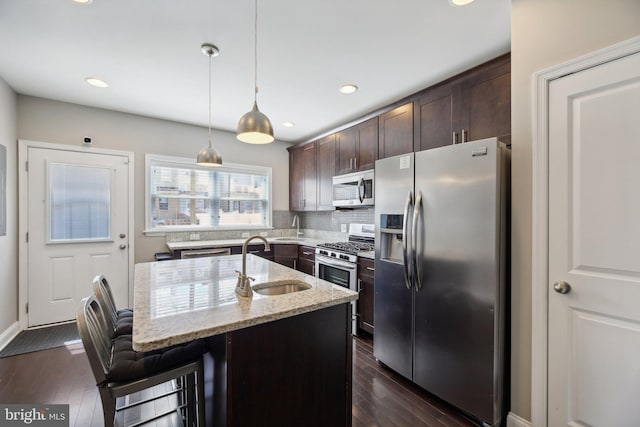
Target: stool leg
[(191, 399), (200, 395)]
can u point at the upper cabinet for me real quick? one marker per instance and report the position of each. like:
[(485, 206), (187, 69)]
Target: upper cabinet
[(357, 147), (436, 122), (326, 169), (485, 103), (473, 106), (302, 178), (396, 131)]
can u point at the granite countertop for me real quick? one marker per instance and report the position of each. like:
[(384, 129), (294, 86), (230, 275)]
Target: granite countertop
[(200, 244), (182, 300), (367, 254)]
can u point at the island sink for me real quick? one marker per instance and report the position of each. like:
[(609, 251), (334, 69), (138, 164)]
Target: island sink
[(281, 287)]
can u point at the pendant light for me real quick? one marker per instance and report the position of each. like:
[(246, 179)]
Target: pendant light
[(208, 156), (254, 127)]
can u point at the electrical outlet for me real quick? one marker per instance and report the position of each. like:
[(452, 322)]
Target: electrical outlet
[(343, 228), (245, 234), (194, 236), (264, 233)]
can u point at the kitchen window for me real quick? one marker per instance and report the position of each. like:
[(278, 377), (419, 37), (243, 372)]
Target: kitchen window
[(182, 196)]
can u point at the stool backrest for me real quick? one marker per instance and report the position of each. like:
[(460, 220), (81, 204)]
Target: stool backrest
[(102, 291), (96, 337)]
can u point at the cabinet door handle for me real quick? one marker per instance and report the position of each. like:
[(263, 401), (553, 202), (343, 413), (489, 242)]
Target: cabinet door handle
[(306, 253), (453, 141), (371, 269), (462, 136), (350, 162), (295, 264), (355, 163), (359, 285)]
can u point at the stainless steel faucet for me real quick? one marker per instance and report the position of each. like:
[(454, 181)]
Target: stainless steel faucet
[(296, 220), (243, 288)]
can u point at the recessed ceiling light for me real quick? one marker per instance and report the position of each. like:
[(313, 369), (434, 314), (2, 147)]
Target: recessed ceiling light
[(288, 124), (83, 1), (96, 82), (460, 2), (348, 88)]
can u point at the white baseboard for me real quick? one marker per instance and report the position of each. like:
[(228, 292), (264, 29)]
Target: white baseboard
[(9, 334), (514, 420)]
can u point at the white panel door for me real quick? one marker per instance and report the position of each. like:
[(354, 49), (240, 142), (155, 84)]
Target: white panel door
[(594, 246), (77, 225)]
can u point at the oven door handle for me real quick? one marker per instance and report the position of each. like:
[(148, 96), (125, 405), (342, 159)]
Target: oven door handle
[(335, 263)]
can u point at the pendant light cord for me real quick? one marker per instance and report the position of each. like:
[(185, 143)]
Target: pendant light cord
[(255, 52), (210, 53)]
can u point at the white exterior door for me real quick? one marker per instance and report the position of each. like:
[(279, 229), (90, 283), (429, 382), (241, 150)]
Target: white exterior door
[(78, 214), (594, 246)]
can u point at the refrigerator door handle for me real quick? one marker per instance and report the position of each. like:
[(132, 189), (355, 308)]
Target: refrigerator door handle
[(414, 240), (405, 223)]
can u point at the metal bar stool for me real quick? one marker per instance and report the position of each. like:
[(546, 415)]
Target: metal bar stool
[(120, 371)]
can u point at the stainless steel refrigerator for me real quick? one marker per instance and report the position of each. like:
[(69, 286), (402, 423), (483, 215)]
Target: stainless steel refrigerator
[(440, 264)]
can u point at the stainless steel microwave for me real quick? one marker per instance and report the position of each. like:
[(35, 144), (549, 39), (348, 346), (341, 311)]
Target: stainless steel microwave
[(353, 190)]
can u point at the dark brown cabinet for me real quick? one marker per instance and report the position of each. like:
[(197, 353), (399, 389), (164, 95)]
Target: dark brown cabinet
[(289, 372), (285, 254), (255, 249), (302, 178), (435, 118), (357, 147), (485, 103), (326, 169), (366, 297), (307, 260), (474, 106), (396, 131)]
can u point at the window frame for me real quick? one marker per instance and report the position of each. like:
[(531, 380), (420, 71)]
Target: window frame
[(184, 162)]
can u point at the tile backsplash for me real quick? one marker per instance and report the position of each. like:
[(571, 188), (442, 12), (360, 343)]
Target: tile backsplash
[(320, 225), (332, 220)]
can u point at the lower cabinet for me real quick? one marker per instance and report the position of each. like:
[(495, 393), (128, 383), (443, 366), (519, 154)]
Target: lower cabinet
[(307, 260), (257, 250), (278, 373), (285, 254), (366, 291)]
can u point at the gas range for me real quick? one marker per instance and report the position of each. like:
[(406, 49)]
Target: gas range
[(337, 262), (361, 239)]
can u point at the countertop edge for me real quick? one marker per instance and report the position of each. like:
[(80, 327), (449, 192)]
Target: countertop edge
[(247, 323)]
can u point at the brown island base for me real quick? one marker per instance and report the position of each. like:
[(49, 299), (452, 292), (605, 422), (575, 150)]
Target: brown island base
[(275, 360)]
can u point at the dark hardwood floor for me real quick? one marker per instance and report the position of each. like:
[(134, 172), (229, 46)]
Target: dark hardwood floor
[(63, 375), (385, 399)]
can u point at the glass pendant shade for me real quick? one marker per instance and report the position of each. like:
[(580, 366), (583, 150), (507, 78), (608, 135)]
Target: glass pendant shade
[(208, 156), (255, 128)]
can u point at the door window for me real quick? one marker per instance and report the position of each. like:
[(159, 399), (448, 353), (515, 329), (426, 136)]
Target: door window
[(79, 203)]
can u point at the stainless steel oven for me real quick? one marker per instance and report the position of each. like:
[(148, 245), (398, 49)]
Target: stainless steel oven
[(338, 262), (339, 272)]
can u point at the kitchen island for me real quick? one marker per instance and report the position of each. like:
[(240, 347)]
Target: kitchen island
[(277, 360)]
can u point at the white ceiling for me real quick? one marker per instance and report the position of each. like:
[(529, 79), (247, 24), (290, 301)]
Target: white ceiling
[(149, 53)]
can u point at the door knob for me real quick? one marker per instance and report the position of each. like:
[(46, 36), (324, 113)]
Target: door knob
[(123, 246), (562, 287), (122, 235)]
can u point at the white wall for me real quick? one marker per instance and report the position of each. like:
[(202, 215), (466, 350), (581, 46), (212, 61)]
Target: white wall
[(63, 123), (545, 33), (9, 242)]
